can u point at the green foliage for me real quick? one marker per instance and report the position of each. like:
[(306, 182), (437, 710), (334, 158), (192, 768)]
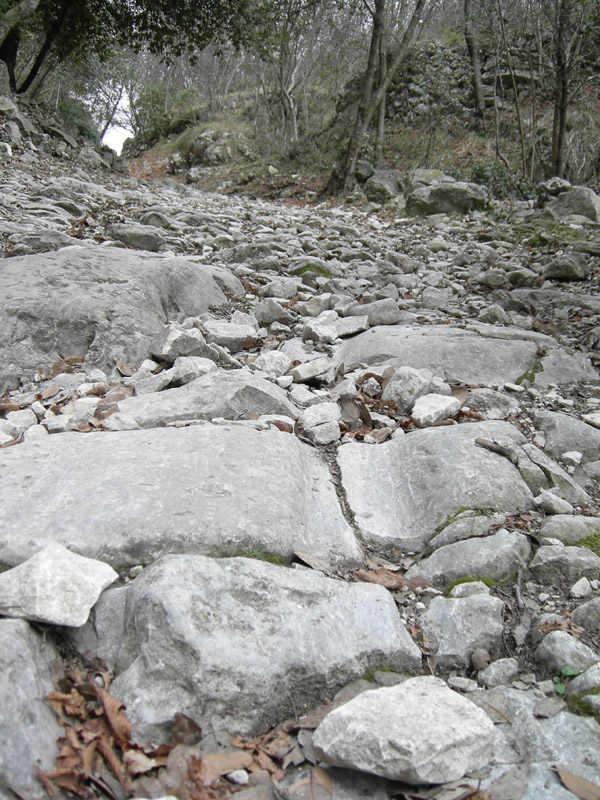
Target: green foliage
[(499, 182), (561, 681), (453, 37), (260, 555), (591, 542), (530, 374), (576, 703), (76, 114), (370, 673), (149, 112)]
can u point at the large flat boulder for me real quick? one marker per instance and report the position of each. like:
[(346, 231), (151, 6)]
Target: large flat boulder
[(404, 490), (236, 644), (232, 395), (447, 198), (463, 356), (130, 497), (101, 304)]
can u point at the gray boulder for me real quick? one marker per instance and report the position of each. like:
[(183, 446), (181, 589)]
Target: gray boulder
[(229, 394), (588, 616), (579, 200), (28, 727), (461, 625), (417, 732), (54, 586), (564, 433), (463, 356), (559, 649), (570, 529), (493, 557), (139, 237), (384, 185), (402, 491), (130, 497), (555, 564), (568, 267), (240, 643), (447, 198), (102, 305), (566, 739)]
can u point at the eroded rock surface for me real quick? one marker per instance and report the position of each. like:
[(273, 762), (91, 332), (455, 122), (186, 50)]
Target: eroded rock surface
[(196, 384)]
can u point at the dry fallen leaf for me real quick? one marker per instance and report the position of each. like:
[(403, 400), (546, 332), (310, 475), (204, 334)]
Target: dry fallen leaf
[(581, 787), (383, 577), (185, 730), (315, 786), (72, 704), (115, 714), (125, 369), (137, 762), (218, 764), (461, 394)]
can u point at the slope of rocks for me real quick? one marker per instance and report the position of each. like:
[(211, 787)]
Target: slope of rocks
[(306, 445)]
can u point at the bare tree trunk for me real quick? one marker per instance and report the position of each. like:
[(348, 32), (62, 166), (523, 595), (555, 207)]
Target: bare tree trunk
[(111, 115), (514, 85), (8, 53), (381, 111), (532, 133), (561, 93), (368, 102), (473, 50), (45, 49), (15, 16)]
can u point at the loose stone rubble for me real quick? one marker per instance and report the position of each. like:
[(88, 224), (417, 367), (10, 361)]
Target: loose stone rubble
[(197, 384)]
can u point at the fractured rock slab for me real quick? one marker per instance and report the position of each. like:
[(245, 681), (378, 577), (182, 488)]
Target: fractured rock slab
[(129, 497), (231, 395), (463, 356), (54, 586), (402, 491), (103, 305), (418, 732), (238, 643)]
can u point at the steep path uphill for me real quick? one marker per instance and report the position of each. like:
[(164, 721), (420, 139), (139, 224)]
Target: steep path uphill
[(402, 413)]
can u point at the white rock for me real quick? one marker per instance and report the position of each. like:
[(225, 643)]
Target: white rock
[(54, 586), (406, 385), (311, 369), (432, 408), (573, 458), (322, 328), (22, 419), (419, 731), (553, 504), (582, 588), (35, 433), (320, 423), (273, 362), (120, 421), (592, 419)]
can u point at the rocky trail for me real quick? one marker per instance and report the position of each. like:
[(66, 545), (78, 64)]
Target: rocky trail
[(312, 492)]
